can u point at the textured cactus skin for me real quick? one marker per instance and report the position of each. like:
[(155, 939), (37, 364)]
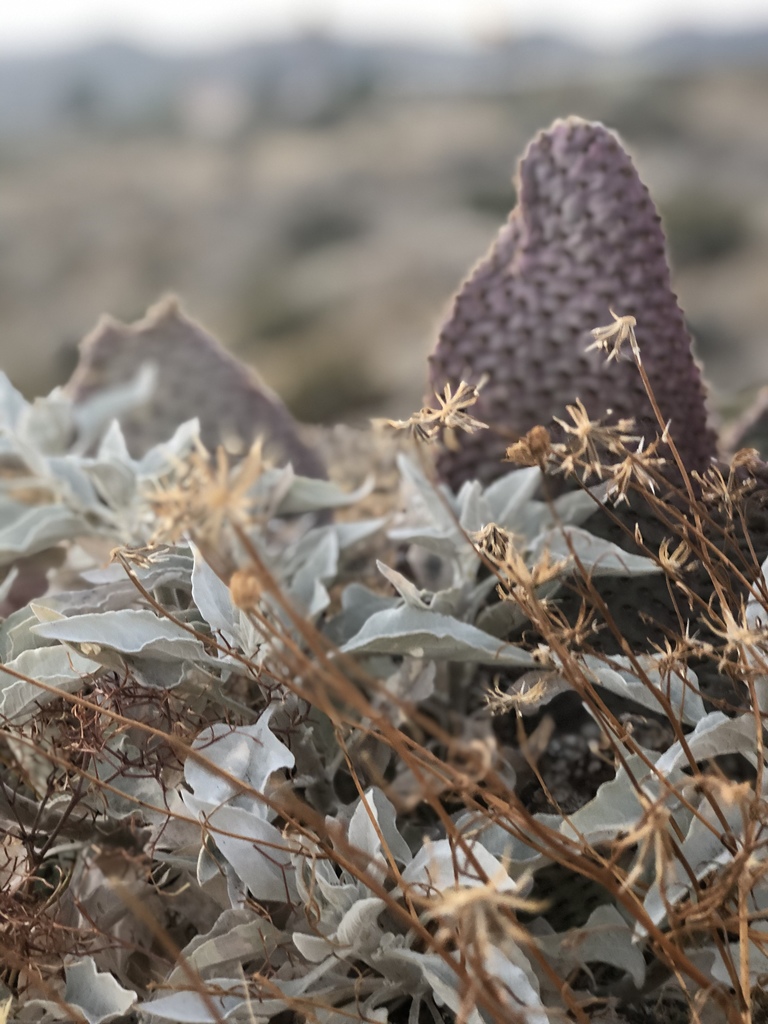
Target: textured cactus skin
[(585, 238), (196, 376)]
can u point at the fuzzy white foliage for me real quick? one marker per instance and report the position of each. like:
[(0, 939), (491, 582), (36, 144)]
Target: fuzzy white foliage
[(214, 820)]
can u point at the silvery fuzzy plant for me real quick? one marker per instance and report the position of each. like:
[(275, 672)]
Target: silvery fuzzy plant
[(157, 715), (249, 771), (238, 783)]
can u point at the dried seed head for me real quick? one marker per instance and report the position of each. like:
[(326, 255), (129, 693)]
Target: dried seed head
[(611, 338), (493, 541), (449, 417), (245, 589), (588, 440), (532, 450)]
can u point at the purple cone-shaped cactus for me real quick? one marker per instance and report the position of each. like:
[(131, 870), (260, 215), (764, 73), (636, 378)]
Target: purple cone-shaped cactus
[(584, 239), (195, 376)]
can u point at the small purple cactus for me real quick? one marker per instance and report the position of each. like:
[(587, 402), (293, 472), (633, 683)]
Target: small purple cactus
[(196, 376), (584, 239)]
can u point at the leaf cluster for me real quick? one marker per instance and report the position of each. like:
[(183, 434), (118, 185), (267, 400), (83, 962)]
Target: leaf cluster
[(237, 783)]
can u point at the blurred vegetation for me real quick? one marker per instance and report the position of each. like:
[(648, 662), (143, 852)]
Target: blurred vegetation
[(488, 198), (704, 227), (317, 206), (319, 225)]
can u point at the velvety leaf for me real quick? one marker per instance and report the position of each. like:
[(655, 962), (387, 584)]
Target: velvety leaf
[(574, 507), (213, 600), (307, 494), (373, 816), (10, 578), (27, 529), (188, 1007), (164, 456), (407, 590), (437, 504), (251, 753), (441, 865), (509, 849), (426, 634), (58, 667), (714, 736), (134, 788), (702, 850), (256, 850), (352, 533), (755, 612), (358, 603), (682, 695), (16, 634), (758, 963), (358, 934), (112, 447), (169, 567), (522, 1001), (442, 981), (98, 413), (439, 541), (96, 995), (508, 496), (599, 557), (605, 938), (615, 807), (237, 936), (115, 483), (129, 631), (315, 562), (47, 424), (77, 487), (515, 984), (472, 510)]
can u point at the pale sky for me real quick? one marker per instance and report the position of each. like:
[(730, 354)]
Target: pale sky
[(181, 24)]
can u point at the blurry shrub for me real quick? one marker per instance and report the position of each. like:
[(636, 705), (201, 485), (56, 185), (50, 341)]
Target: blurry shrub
[(702, 227), (321, 225), (277, 319), (268, 310), (345, 102), (649, 112), (491, 199), (710, 336), (335, 390), (484, 186), (314, 92)]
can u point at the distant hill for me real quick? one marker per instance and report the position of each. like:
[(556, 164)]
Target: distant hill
[(117, 85)]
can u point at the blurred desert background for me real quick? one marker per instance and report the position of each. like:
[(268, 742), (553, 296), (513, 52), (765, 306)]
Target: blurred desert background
[(316, 201)]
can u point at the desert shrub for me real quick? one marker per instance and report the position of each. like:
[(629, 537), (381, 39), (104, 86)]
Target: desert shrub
[(489, 197), (257, 765), (702, 228), (321, 224)]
